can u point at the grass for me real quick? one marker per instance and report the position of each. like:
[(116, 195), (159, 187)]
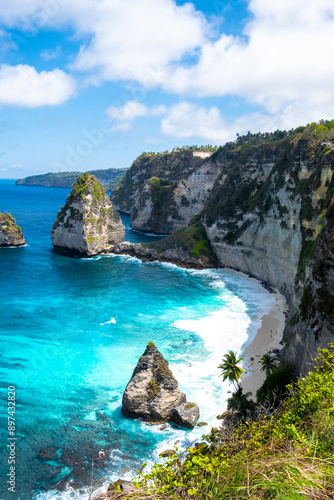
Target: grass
[(283, 456)]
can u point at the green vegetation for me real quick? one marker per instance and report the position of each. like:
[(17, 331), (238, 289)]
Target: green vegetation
[(268, 363), (190, 405), (7, 222), (153, 389), (306, 302), (274, 388), (192, 239), (325, 302), (159, 189), (151, 344), (294, 320), (285, 455), (243, 409), (305, 254), (109, 177), (231, 369)]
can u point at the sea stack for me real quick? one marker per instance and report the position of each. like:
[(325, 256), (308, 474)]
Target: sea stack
[(10, 234), (88, 224), (152, 393)]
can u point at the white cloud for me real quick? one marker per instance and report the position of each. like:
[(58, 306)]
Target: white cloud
[(124, 116), (48, 55), (282, 64), (17, 165), (190, 121), (23, 86), (128, 39), (284, 61)]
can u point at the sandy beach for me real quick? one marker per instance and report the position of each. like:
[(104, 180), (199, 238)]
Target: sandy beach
[(267, 338)]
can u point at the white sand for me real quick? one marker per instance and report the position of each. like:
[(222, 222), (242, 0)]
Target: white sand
[(267, 338)]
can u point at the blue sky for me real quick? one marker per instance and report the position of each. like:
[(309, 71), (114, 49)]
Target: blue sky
[(88, 84)]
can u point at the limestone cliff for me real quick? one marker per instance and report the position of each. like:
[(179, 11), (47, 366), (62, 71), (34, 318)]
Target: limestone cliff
[(267, 216), (10, 234), (163, 192), (153, 392), (88, 224), (270, 215)]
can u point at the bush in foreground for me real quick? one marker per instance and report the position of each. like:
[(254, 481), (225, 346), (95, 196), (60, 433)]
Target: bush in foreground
[(288, 455)]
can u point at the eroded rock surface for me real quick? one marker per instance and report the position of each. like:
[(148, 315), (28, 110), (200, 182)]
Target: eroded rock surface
[(153, 392), (10, 234), (88, 224), (186, 415)]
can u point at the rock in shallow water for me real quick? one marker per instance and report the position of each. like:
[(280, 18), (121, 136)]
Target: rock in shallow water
[(10, 234), (152, 392), (186, 415)]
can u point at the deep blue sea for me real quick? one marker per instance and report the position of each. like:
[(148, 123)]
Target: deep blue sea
[(70, 364)]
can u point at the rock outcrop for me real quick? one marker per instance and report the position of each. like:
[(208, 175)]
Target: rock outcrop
[(163, 192), (186, 415), (189, 247), (152, 393), (10, 234), (88, 224)]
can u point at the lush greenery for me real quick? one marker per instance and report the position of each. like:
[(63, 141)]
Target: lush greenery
[(285, 455), (192, 239)]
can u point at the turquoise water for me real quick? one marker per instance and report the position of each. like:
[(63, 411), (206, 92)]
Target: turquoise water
[(70, 364)]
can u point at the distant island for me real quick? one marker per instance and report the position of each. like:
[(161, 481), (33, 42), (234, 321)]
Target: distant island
[(108, 177)]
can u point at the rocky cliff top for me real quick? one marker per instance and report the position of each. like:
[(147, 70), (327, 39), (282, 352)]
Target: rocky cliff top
[(88, 223), (163, 192), (10, 233)]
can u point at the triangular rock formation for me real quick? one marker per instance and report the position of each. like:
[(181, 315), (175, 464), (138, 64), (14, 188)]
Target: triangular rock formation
[(10, 234), (153, 392), (88, 224)]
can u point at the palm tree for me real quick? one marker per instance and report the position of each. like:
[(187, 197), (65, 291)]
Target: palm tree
[(240, 405), (231, 370), (268, 363)]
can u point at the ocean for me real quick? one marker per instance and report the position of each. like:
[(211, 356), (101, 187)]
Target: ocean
[(70, 361)]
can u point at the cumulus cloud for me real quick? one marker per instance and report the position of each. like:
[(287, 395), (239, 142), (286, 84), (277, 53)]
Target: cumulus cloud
[(186, 120), (23, 86), (128, 39), (282, 63), (284, 60), (124, 116)]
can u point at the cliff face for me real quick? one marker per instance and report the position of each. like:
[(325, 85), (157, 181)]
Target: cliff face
[(10, 234), (88, 224), (108, 177), (267, 216), (164, 192)]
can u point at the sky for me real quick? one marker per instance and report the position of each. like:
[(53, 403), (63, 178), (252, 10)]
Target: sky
[(89, 84)]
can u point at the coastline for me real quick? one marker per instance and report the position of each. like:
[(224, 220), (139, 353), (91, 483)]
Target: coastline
[(268, 337)]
